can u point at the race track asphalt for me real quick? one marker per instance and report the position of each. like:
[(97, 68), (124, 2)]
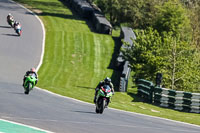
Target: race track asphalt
[(49, 111)]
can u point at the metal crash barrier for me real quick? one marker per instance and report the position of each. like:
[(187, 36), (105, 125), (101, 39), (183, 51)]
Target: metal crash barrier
[(178, 100)]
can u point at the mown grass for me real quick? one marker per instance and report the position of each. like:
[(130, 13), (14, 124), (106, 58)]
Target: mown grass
[(76, 59)]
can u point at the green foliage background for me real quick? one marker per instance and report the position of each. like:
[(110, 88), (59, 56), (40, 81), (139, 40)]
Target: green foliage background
[(167, 33)]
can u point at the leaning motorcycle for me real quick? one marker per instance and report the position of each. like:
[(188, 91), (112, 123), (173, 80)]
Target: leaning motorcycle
[(103, 97), (11, 22), (18, 30), (29, 83)]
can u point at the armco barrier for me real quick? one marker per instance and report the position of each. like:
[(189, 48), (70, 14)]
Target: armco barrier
[(89, 11), (127, 35), (123, 85), (178, 100), (164, 97), (124, 77), (101, 24), (145, 89)]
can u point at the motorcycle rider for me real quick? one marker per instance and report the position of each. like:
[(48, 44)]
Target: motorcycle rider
[(17, 25), (31, 71), (10, 18), (106, 81)]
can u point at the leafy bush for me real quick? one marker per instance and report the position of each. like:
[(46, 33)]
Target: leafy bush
[(176, 59)]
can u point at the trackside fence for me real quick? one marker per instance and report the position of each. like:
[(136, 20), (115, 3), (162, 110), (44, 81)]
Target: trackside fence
[(91, 12), (178, 100), (127, 35), (124, 77), (145, 89)]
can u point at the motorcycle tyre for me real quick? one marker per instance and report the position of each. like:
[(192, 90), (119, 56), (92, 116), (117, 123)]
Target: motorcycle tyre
[(28, 89), (11, 24), (102, 106), (97, 111), (19, 32)]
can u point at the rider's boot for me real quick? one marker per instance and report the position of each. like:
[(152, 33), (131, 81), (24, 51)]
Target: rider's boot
[(107, 103)]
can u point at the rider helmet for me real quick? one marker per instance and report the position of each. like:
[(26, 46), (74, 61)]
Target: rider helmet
[(107, 80), (9, 14), (33, 69)]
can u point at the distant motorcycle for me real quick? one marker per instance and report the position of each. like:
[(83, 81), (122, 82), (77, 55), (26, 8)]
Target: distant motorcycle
[(30, 82), (18, 30), (11, 22), (103, 96)]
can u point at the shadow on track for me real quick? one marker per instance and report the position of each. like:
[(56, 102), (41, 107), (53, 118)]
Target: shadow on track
[(85, 112), (5, 27), (18, 93), (11, 35)]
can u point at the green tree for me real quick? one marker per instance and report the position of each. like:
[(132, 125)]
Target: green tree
[(145, 57), (113, 10), (176, 59), (172, 17), (177, 55), (195, 24), (134, 13), (138, 14)]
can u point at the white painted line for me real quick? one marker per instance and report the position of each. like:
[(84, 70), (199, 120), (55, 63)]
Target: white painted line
[(41, 59), (26, 125), (55, 94), (44, 34), (102, 124), (118, 109), (156, 117)]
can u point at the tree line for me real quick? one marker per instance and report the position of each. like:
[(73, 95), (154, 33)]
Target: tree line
[(168, 39)]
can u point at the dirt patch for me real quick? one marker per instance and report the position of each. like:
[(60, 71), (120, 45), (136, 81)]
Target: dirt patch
[(155, 111), (36, 11)]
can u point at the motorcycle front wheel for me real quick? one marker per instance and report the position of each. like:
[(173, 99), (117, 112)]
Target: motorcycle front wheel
[(19, 32), (102, 106), (28, 89), (97, 111)]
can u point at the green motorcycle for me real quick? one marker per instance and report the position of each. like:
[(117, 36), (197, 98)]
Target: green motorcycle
[(103, 97), (30, 82), (11, 22)]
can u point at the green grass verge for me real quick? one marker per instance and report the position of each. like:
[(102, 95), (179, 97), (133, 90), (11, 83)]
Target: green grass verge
[(76, 59)]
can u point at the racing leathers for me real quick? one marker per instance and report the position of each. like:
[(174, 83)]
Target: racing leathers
[(102, 83)]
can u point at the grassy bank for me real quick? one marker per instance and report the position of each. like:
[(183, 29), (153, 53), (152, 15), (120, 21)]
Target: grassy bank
[(76, 59)]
